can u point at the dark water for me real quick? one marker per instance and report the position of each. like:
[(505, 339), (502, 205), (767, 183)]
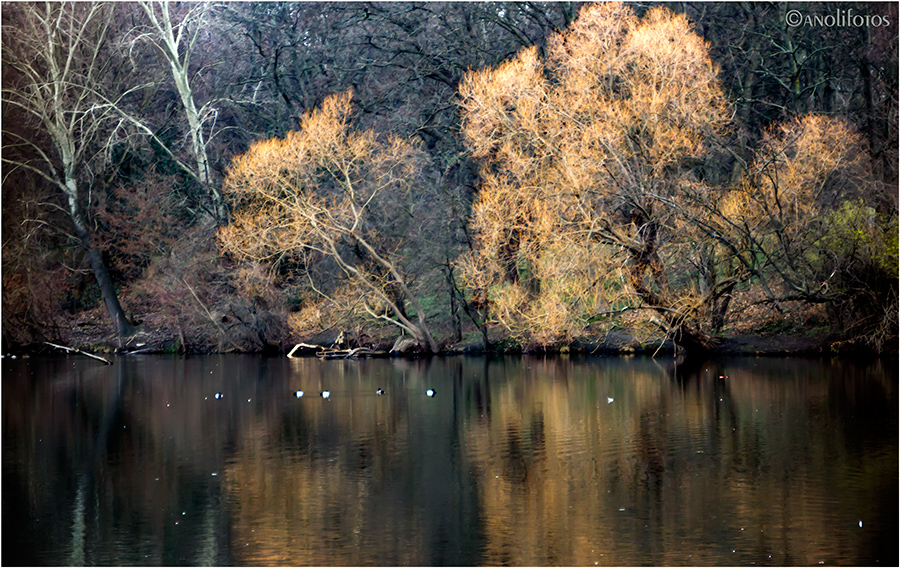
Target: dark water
[(520, 461)]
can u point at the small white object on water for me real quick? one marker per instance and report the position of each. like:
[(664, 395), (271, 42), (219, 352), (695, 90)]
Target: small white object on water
[(860, 524), (429, 392), (248, 400), (326, 394), (298, 394), (609, 400), (214, 474), (379, 392), (219, 395)]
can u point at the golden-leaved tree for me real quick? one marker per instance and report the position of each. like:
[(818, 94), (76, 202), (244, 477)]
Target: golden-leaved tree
[(595, 194), (810, 224), (579, 154), (332, 193)]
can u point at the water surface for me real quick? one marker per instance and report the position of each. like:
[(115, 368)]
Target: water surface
[(514, 461)]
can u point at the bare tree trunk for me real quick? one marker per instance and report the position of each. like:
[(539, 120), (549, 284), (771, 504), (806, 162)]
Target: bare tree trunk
[(178, 55), (98, 267), (454, 304)]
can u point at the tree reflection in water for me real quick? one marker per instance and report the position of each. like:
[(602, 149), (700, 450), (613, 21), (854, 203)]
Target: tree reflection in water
[(516, 461)]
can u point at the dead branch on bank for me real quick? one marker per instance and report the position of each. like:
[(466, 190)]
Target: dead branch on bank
[(79, 351)]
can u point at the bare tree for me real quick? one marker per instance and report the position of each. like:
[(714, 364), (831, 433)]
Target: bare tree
[(176, 39), (55, 51)]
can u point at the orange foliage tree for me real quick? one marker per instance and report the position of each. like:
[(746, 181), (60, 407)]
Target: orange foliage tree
[(595, 196), (580, 152), (330, 192)]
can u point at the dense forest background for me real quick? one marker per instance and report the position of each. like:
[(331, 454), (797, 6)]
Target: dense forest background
[(243, 176)]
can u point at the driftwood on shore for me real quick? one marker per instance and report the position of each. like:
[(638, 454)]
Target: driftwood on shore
[(350, 353), (79, 351), (306, 347), (325, 353)]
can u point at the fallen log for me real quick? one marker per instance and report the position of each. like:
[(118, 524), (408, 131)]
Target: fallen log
[(350, 353), (79, 351), (303, 346), (137, 351)]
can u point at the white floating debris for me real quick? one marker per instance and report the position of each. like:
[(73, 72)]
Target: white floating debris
[(609, 400), (860, 524), (219, 395), (214, 474), (326, 394), (429, 392), (298, 394), (248, 400)]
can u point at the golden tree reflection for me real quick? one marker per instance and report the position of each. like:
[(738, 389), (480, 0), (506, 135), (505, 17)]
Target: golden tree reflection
[(514, 461)]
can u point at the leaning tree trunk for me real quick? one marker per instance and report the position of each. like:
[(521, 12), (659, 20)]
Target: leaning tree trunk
[(107, 290), (98, 267)]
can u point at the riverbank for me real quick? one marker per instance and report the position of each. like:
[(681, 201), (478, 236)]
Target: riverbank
[(95, 336)]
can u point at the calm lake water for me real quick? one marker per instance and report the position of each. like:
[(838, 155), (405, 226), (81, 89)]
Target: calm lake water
[(513, 461)]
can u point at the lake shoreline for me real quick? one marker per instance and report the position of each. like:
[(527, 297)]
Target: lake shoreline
[(613, 343)]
